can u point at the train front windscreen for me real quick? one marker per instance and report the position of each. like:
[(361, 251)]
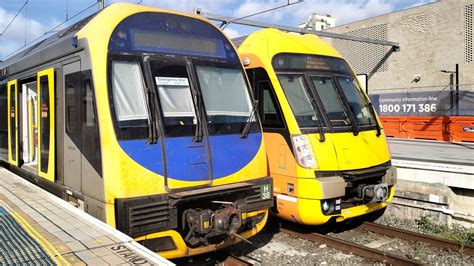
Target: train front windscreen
[(323, 90), (189, 65)]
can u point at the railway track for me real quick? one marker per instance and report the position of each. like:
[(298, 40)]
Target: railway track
[(417, 237), (374, 254), (231, 260), (348, 247)]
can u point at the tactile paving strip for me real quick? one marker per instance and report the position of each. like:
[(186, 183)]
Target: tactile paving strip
[(37, 228), (17, 245)]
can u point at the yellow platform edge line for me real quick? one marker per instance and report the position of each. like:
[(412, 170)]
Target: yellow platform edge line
[(48, 247)]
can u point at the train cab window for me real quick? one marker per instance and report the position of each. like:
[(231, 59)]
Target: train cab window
[(357, 101), (129, 94), (269, 111), (299, 99), (332, 103), (176, 101), (218, 83)]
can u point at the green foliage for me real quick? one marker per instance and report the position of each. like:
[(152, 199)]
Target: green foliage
[(456, 233)]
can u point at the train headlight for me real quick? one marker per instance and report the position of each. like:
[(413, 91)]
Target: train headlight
[(331, 206), (304, 151), (325, 206)]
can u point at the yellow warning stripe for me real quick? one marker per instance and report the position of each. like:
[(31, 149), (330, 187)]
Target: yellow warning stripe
[(48, 247)]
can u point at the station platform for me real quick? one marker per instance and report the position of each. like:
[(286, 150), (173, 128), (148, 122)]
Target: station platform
[(435, 179), (461, 153), (449, 163), (36, 227)]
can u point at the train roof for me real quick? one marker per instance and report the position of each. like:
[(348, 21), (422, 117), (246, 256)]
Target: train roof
[(60, 43), (268, 42), (63, 43)]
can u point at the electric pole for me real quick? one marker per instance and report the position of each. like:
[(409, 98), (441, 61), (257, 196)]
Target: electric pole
[(101, 4)]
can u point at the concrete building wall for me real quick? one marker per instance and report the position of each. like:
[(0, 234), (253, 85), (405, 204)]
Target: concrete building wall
[(432, 38)]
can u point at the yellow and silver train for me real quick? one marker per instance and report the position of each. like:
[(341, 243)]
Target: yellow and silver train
[(123, 115), (326, 150)]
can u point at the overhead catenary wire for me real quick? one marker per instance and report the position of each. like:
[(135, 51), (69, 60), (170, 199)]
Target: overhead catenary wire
[(226, 23), (53, 29), (26, 20), (13, 19)]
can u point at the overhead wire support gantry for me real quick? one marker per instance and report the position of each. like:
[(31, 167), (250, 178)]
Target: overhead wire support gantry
[(253, 23)]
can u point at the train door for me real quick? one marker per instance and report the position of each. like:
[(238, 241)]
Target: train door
[(269, 109), (29, 121), (3, 123), (73, 128), (46, 125), (275, 131), (12, 98)]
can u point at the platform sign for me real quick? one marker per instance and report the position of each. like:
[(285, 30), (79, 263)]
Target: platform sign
[(426, 103)]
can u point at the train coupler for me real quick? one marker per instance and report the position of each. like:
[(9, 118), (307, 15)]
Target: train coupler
[(204, 224)]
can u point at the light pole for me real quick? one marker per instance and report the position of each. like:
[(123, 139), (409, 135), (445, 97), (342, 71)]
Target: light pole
[(456, 86)]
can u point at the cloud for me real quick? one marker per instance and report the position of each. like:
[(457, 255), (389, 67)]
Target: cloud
[(231, 33), (14, 37)]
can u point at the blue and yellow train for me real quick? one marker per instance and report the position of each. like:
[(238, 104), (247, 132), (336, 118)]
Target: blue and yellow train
[(144, 119)]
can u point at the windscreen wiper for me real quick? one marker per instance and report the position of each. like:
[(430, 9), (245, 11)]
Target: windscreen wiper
[(198, 131), (245, 131), (353, 121), (152, 105), (377, 126), (152, 129), (322, 136)]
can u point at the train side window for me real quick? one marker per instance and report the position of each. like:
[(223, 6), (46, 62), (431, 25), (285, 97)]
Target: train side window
[(73, 107), (90, 126), (129, 94), (3, 122), (269, 112), (89, 115), (44, 122), (70, 108)]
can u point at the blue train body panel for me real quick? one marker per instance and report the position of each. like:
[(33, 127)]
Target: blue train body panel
[(189, 161)]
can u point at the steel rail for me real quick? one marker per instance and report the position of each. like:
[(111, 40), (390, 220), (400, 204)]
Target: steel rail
[(231, 260), (349, 247), (417, 237)]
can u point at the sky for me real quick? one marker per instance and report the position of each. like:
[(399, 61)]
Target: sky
[(40, 16)]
